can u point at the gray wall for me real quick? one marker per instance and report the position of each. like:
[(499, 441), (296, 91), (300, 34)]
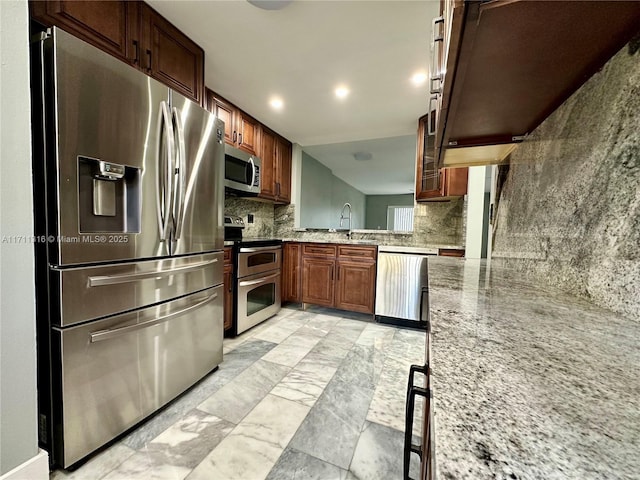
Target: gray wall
[(18, 411), (376, 209), (569, 211), (323, 195)]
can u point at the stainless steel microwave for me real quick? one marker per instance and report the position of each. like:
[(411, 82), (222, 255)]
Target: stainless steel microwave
[(241, 172)]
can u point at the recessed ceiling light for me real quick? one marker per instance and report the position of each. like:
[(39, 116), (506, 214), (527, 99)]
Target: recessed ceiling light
[(419, 78), (276, 103), (342, 92)]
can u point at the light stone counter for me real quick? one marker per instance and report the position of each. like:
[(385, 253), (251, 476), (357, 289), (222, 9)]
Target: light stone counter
[(529, 383)]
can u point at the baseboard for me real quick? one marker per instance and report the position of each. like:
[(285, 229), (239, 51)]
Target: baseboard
[(36, 468)]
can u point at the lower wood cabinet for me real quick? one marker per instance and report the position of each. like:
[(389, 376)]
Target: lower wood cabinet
[(317, 281), (355, 286), (228, 289), (339, 276), (291, 272)]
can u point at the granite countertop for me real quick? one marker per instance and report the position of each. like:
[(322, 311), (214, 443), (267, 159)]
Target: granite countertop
[(428, 248), (529, 383)]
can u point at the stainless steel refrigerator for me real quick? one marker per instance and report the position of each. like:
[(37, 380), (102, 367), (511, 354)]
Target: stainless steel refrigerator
[(129, 196)]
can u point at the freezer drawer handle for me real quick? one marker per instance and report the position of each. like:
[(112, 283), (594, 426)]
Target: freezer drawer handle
[(116, 332), (412, 391), (101, 280), (259, 280)]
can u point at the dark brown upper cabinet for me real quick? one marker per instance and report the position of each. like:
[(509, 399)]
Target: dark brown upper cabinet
[(169, 56), (432, 182), (276, 167), (240, 129), (509, 64), (135, 33)]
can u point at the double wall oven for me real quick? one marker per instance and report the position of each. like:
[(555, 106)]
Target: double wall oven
[(257, 282)]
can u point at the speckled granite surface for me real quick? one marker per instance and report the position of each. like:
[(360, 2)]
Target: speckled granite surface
[(435, 224), (529, 383), (569, 213)]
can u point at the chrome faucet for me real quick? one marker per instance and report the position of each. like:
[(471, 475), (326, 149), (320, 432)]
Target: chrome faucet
[(342, 217)]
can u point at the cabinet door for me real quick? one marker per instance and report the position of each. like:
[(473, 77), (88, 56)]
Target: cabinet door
[(105, 24), (291, 291), (454, 181), (248, 133), (171, 57), (427, 174), (225, 112), (283, 171), (317, 281), (355, 286), (228, 296), (268, 169)]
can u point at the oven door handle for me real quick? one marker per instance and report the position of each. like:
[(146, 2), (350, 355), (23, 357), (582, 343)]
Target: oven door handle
[(247, 283), (258, 249)]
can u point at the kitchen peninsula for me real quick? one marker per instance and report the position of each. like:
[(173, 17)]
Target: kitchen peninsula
[(529, 383)]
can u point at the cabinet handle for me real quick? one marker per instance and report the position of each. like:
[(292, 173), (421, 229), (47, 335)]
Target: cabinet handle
[(239, 139), (434, 25), (331, 273), (235, 136), (149, 55), (136, 59), (278, 189), (338, 272), (412, 391)]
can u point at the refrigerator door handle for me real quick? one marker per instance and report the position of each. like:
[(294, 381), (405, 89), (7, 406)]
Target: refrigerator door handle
[(101, 280), (116, 332), (181, 171), (164, 170)]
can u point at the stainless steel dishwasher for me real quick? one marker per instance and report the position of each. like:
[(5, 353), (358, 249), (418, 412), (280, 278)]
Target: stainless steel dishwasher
[(402, 288)]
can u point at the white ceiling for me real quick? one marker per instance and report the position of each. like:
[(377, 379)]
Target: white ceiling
[(301, 53)]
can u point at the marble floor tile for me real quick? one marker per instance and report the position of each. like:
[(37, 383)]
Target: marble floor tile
[(307, 380), (331, 430), (148, 467), (278, 332), (379, 454), (295, 465), (334, 345), (292, 350), (190, 439), (97, 467), (359, 368), (231, 367), (238, 397), (254, 446)]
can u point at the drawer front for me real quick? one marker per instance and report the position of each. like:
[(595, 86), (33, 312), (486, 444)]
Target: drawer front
[(227, 254), (118, 370), (92, 292), (318, 250), (357, 252)]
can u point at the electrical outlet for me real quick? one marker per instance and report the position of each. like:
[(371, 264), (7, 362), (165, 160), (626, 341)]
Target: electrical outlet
[(250, 218)]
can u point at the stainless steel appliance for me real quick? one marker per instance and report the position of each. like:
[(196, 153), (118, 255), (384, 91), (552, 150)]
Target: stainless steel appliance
[(241, 172), (129, 193), (402, 287), (258, 263)]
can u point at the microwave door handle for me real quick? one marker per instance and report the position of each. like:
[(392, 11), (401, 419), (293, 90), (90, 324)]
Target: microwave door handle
[(253, 172), (179, 194), (164, 166)]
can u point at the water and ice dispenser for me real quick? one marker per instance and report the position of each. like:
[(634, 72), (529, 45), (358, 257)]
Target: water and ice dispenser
[(109, 197)]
